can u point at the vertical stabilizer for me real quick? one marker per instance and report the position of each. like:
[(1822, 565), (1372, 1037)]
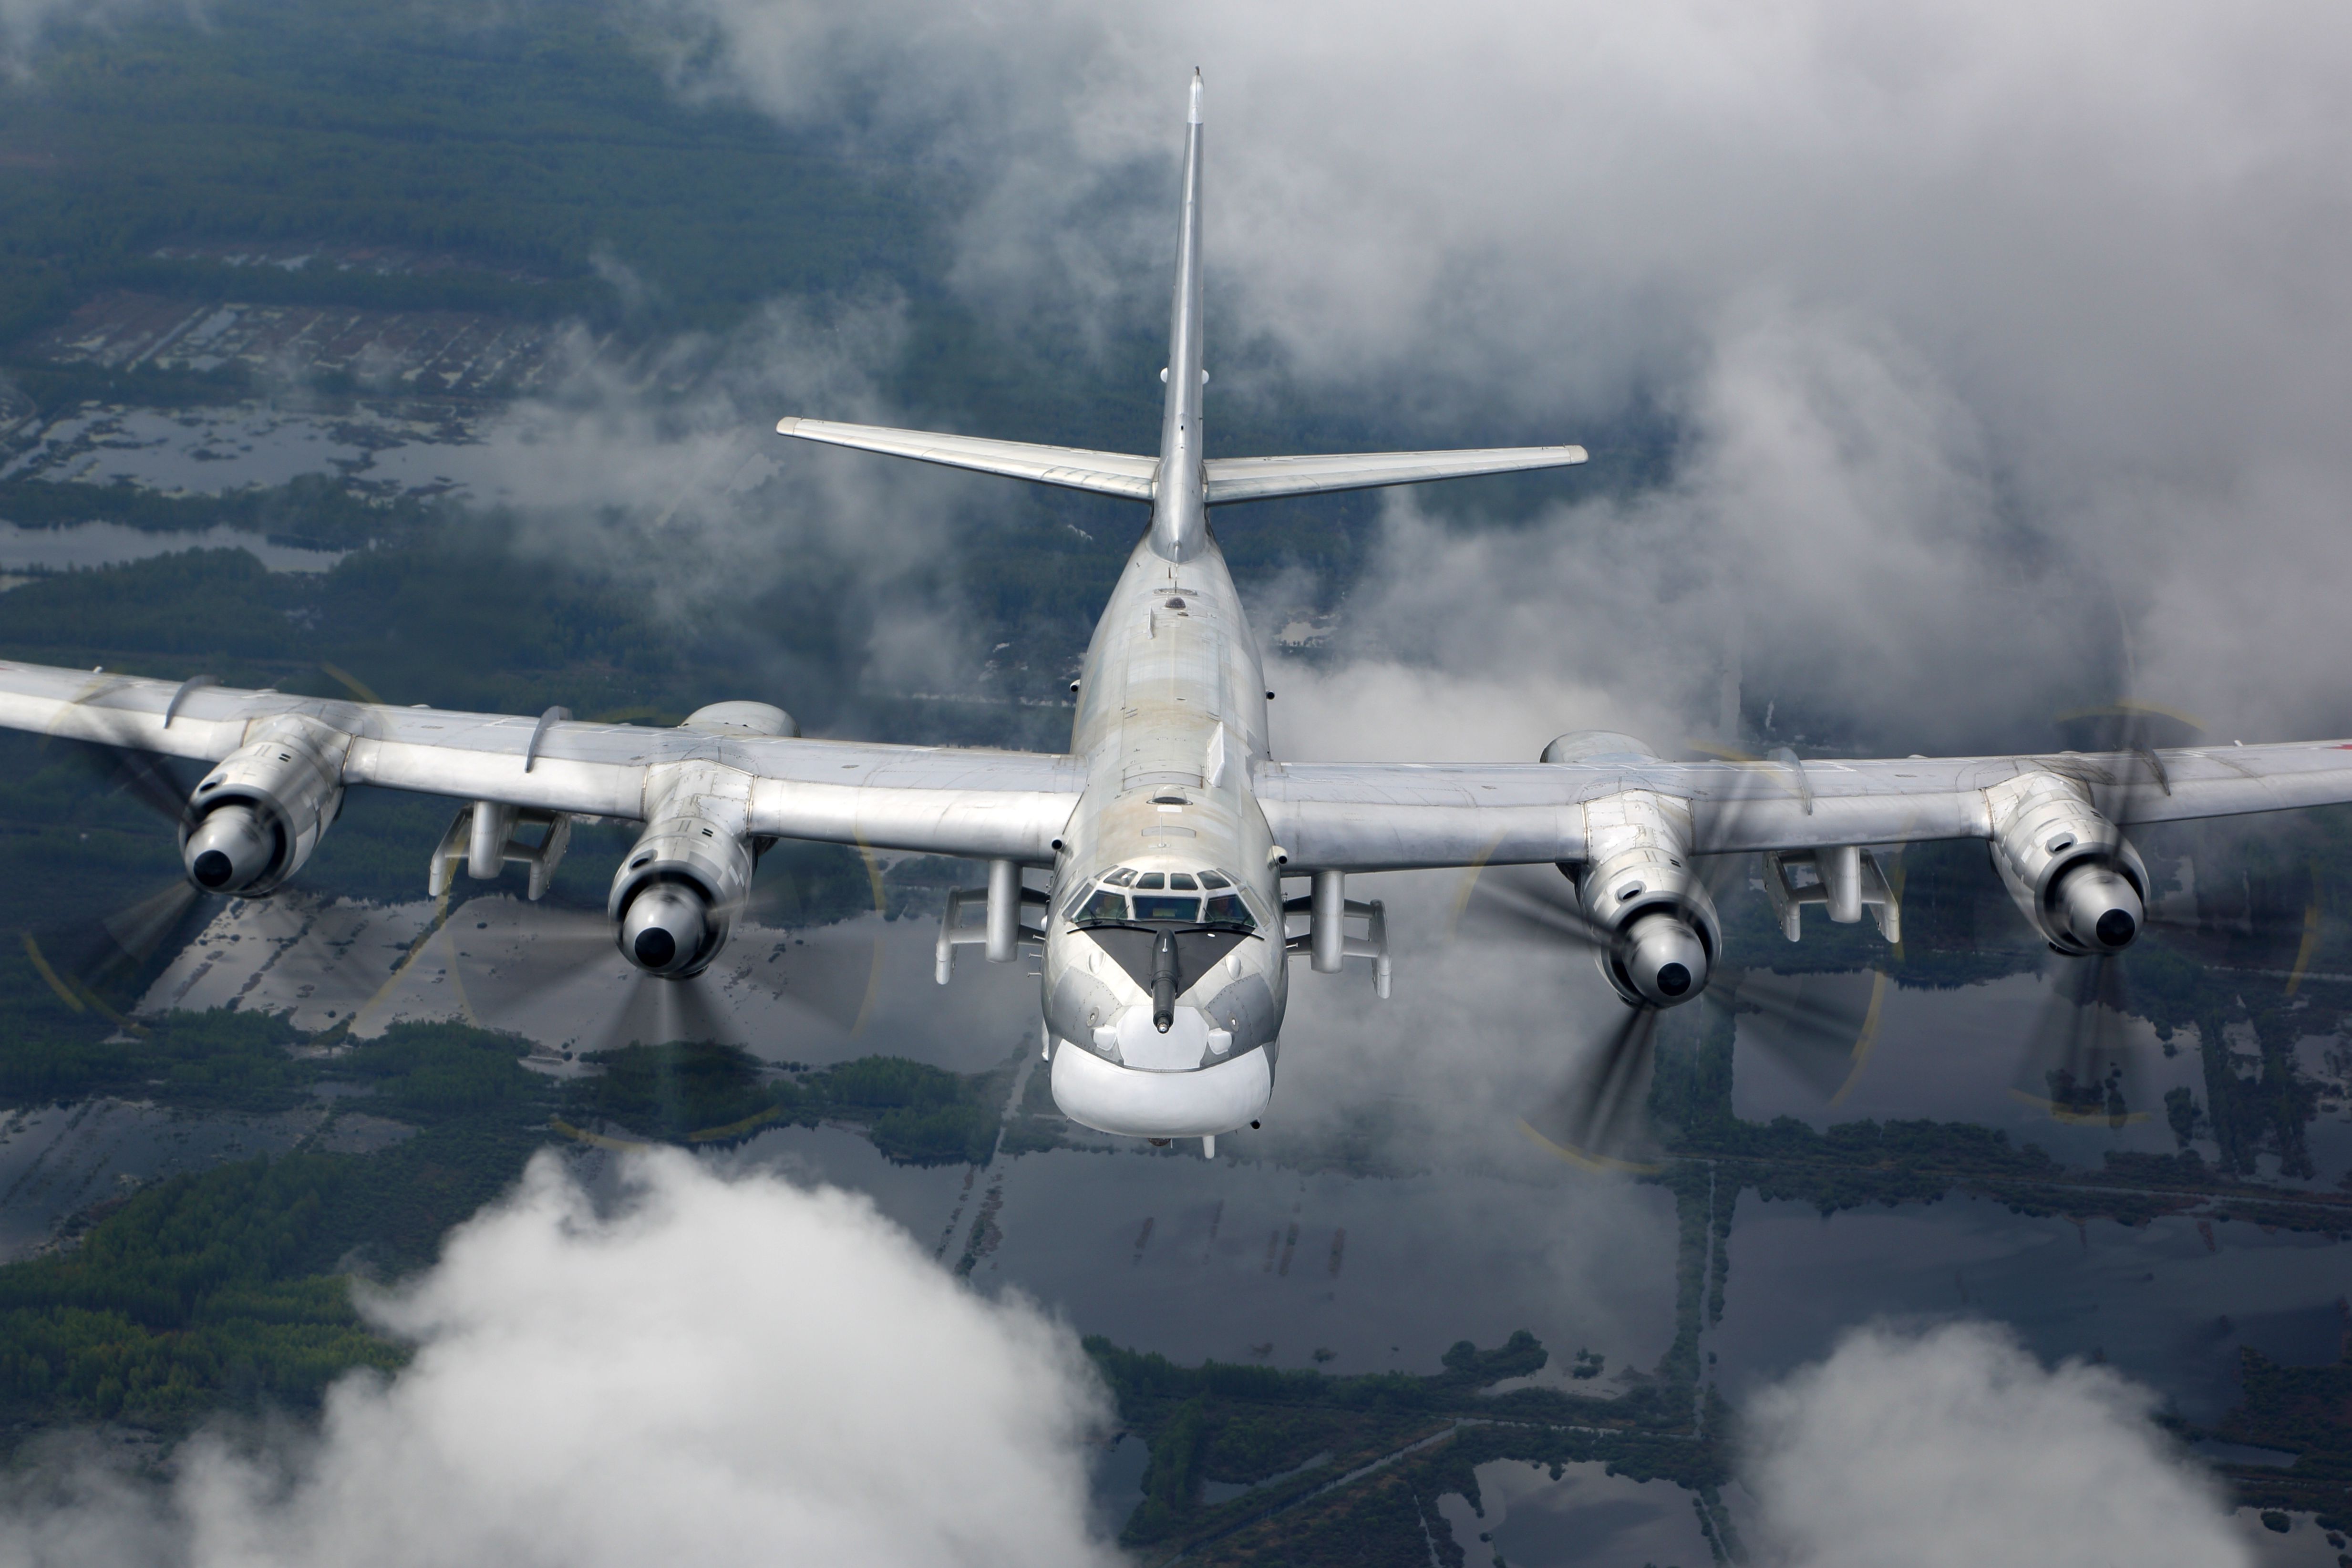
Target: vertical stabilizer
[(1178, 517)]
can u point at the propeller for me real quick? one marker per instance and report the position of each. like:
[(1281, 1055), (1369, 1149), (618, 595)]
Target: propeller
[(1817, 1027), (2085, 1063), (555, 959), (87, 961)]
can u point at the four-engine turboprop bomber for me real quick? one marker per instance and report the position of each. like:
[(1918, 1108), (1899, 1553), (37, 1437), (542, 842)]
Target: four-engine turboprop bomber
[(1163, 840)]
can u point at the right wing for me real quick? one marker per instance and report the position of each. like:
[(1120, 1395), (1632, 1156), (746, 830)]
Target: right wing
[(937, 800), (1378, 817)]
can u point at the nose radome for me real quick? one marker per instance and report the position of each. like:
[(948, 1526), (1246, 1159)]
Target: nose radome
[(1144, 1044)]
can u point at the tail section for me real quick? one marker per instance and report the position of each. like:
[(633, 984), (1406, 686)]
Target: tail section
[(1181, 483)]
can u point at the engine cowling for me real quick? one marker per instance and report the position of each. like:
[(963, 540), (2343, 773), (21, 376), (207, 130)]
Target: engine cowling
[(261, 811), (2069, 869), (675, 896), (1638, 885)]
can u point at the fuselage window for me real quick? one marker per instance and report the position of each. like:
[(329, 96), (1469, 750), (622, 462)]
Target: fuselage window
[(1120, 877), (1227, 909), (1180, 879), (1161, 907), (1214, 880), (1151, 879)]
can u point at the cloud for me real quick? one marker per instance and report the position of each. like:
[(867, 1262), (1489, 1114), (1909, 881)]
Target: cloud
[(661, 469), (26, 24), (1957, 1447), (2004, 363), (701, 1371)]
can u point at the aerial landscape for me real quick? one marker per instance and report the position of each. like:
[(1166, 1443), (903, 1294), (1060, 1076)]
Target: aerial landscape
[(1938, 386)]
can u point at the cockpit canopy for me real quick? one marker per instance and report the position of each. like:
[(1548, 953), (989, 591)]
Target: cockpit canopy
[(1128, 894)]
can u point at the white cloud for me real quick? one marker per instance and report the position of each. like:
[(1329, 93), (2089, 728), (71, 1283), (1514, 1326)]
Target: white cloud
[(1957, 1447), (1985, 333), (704, 1371), (26, 24), (663, 470)]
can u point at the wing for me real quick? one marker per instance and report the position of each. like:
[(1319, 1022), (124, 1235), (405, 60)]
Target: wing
[(1226, 479), (1368, 816), (926, 799)]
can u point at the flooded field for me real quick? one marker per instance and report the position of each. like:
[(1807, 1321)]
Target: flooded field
[(2170, 1302), (1587, 1516), (439, 354), (58, 1161), (1966, 1055), (221, 448), (862, 987), (83, 545)]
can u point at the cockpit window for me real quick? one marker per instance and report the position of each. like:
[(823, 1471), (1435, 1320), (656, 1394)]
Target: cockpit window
[(1106, 905), (1172, 896), (1165, 907), (1227, 909)]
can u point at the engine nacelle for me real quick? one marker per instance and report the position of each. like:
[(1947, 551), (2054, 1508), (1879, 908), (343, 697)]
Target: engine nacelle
[(1637, 883), (677, 894), (2070, 870), (262, 810)]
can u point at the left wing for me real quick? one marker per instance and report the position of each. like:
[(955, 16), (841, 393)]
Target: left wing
[(1380, 817), (925, 799)]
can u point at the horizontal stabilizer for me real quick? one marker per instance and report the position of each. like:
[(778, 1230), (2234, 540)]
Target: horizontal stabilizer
[(1107, 473), (1256, 479)]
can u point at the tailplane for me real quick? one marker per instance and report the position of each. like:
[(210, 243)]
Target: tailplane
[(1228, 479), (1107, 473)]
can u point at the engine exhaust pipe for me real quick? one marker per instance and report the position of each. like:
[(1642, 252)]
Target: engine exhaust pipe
[(664, 928), (231, 849)]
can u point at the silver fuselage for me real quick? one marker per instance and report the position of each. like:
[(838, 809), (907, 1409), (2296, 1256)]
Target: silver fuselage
[(1171, 714)]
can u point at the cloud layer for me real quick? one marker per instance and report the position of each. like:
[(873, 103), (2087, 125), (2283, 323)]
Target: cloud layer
[(2007, 360), (1956, 1446), (706, 1371)]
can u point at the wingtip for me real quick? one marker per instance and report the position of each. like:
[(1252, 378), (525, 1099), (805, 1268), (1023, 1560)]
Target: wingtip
[(1575, 454), (1195, 118), (787, 426)]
